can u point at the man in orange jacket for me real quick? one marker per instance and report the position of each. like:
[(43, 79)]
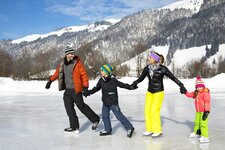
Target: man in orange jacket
[(72, 77)]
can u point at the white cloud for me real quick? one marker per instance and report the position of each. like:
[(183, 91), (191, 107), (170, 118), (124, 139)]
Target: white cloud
[(93, 10), (85, 10)]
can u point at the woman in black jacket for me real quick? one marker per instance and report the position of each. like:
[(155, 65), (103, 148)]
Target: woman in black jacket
[(155, 72), (108, 83)]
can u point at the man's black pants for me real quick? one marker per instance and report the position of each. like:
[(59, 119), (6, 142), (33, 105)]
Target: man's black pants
[(70, 98)]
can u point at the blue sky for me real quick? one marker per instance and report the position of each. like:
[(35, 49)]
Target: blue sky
[(19, 18)]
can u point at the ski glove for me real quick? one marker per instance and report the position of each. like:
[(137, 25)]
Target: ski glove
[(183, 90), (205, 115), (47, 86), (198, 132)]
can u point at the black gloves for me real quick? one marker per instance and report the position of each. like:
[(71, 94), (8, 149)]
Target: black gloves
[(205, 115), (47, 86), (183, 90), (133, 86), (198, 132), (135, 83), (86, 92)]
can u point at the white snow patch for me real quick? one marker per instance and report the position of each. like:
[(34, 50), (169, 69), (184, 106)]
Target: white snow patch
[(193, 5)]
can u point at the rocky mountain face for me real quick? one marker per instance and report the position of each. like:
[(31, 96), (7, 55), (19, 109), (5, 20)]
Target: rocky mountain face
[(179, 29), (119, 41), (205, 27), (58, 43), (210, 3), (116, 43)]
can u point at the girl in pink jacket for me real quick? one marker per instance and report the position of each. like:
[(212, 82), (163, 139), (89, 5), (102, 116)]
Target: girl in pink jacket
[(202, 106)]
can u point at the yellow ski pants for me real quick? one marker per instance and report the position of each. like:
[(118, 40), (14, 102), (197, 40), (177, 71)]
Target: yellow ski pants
[(153, 104)]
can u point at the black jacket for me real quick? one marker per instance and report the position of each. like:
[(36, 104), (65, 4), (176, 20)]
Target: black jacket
[(109, 90), (155, 83)]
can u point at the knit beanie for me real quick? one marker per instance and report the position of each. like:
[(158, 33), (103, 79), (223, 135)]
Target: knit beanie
[(69, 50), (154, 56), (107, 69), (199, 82)]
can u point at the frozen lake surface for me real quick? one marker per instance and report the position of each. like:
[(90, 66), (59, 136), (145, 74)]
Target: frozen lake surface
[(32, 118)]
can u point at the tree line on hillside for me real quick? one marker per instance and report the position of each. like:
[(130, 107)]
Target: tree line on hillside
[(38, 66), (179, 29), (26, 66)]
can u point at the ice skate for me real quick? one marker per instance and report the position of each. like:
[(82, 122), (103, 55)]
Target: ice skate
[(71, 131), (147, 133), (130, 132), (193, 135), (104, 133), (203, 139), (95, 125), (154, 135)]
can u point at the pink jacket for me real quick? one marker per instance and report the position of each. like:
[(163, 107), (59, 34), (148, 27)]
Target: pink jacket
[(202, 100)]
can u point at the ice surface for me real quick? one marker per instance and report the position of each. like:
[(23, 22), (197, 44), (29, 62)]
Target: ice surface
[(33, 118)]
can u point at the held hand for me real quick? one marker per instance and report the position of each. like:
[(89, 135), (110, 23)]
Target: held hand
[(86, 92), (183, 90), (133, 87), (47, 86), (135, 83), (205, 115)]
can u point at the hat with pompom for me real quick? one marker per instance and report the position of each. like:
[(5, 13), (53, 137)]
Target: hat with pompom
[(107, 69), (199, 82)]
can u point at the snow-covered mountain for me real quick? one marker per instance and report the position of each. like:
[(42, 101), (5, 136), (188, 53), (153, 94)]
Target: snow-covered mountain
[(90, 28), (181, 58), (193, 5), (210, 3), (171, 31)]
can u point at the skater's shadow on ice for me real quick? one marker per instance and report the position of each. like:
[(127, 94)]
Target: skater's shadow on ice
[(132, 119), (114, 122), (186, 122), (115, 125), (85, 126)]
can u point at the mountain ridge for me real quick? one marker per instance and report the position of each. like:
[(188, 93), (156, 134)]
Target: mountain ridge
[(134, 34)]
